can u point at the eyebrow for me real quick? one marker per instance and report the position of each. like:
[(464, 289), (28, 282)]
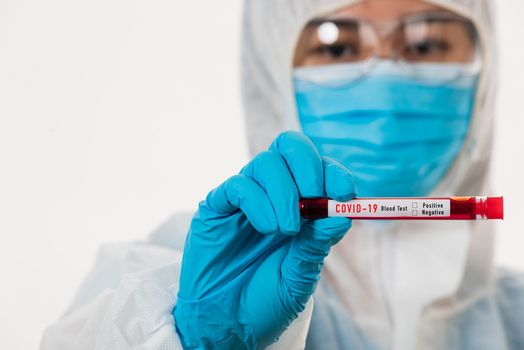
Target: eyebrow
[(433, 16), (350, 23)]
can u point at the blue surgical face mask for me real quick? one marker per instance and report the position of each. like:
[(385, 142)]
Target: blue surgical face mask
[(398, 130)]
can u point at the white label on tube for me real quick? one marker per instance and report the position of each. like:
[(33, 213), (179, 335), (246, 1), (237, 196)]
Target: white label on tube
[(390, 207)]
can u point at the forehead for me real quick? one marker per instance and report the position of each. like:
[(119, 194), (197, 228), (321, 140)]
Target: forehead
[(383, 10)]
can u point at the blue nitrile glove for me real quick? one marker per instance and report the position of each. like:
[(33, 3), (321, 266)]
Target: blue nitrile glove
[(250, 263)]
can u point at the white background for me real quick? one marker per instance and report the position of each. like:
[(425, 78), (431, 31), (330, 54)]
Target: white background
[(114, 114)]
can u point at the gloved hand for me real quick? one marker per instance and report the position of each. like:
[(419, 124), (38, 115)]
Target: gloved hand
[(250, 263)]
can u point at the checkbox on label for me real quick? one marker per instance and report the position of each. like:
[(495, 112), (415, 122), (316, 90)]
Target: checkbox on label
[(414, 212), (414, 205)]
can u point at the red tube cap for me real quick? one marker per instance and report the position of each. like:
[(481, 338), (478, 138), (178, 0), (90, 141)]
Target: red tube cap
[(495, 208)]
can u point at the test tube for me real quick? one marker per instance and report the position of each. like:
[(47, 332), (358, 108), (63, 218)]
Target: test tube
[(407, 208)]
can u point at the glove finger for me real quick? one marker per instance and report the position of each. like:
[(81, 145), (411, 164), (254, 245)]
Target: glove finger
[(270, 171), (339, 183), (242, 192), (302, 265), (303, 161)]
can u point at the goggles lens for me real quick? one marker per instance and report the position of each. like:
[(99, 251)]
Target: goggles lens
[(423, 38)]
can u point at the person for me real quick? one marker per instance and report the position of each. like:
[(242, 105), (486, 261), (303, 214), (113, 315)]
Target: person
[(387, 98)]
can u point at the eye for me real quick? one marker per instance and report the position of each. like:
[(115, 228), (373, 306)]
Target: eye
[(425, 48), (338, 51)]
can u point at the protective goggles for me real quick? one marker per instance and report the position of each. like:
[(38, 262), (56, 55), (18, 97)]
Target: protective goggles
[(422, 38)]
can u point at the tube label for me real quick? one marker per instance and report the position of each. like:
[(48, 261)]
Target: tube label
[(390, 207)]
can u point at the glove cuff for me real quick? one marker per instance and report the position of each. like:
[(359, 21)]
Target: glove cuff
[(205, 324)]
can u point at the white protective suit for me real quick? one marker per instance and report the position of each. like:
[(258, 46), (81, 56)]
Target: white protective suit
[(414, 285)]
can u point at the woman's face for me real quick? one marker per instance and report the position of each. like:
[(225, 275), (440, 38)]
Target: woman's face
[(409, 30)]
